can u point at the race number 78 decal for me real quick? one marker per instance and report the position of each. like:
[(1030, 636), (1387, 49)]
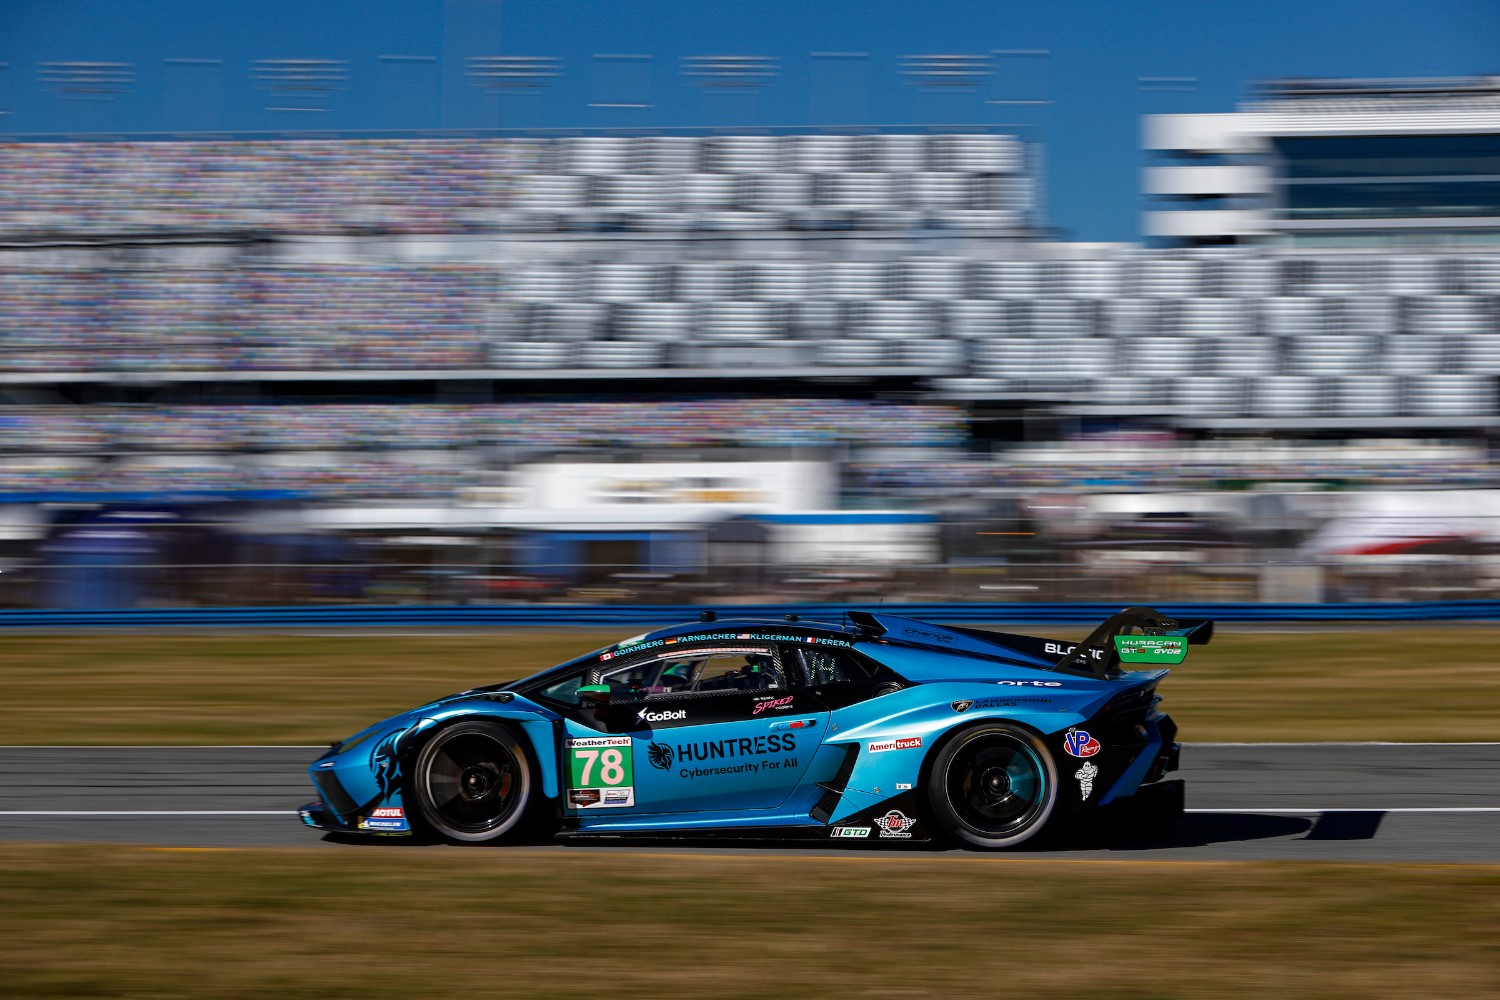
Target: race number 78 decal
[(601, 773), (611, 768)]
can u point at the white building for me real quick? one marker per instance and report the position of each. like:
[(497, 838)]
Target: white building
[(1331, 163)]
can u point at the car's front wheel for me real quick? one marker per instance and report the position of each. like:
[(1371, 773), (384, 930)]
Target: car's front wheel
[(993, 786), (473, 782)]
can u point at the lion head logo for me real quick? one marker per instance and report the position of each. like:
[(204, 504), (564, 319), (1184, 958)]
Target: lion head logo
[(660, 756)]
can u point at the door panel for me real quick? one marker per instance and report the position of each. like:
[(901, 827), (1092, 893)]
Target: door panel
[(727, 751)]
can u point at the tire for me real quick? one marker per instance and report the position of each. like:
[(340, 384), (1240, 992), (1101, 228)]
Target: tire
[(993, 786), (473, 784)]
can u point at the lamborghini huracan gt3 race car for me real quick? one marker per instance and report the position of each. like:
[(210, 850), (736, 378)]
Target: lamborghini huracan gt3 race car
[(876, 728)]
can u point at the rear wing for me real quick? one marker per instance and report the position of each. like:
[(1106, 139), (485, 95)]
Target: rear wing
[(1134, 635)]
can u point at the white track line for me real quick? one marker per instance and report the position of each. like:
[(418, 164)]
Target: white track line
[(1348, 743), (1348, 809), (293, 812), (324, 746), (148, 812)]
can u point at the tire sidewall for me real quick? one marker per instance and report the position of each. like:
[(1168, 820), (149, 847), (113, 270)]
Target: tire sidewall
[(502, 734), (946, 817)]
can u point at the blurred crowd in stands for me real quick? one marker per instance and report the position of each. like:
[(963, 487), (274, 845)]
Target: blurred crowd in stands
[(385, 185), (527, 425), (307, 317), (890, 452)]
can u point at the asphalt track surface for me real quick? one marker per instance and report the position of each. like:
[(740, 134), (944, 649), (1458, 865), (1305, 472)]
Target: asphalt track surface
[(1318, 802)]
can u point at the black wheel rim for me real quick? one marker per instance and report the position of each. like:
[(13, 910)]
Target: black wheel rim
[(472, 782), (997, 785)]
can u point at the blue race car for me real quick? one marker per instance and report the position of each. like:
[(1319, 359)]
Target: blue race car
[(875, 727)]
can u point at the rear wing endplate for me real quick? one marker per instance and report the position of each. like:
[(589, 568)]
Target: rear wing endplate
[(1134, 635)]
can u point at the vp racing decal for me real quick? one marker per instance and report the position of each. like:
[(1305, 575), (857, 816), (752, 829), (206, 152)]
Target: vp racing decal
[(1078, 743)]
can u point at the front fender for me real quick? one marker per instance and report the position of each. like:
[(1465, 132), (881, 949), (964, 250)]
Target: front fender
[(539, 724)]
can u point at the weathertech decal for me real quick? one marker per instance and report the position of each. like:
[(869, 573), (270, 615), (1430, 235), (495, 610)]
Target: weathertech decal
[(905, 743)]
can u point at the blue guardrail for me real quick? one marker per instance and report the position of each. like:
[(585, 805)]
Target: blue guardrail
[(557, 615)]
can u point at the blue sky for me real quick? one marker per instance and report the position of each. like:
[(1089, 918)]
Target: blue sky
[(1097, 51)]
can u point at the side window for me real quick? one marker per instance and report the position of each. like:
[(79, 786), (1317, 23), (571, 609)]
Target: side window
[(707, 672), (565, 690), (829, 666), (738, 672)]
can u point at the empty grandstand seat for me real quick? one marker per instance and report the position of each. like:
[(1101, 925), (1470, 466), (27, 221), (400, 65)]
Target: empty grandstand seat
[(1147, 357), (786, 193), (780, 280), (670, 154), (621, 354), (744, 154), (658, 321), (1057, 317), (545, 283), (1208, 396), (1286, 396), (738, 320), (1412, 276), (603, 156), (1479, 354), (821, 154), (1131, 317), (533, 354), (1210, 317), (1365, 395), (1168, 277), (708, 192), (706, 280), (849, 280), (932, 353), (572, 321), (893, 320), (1450, 395), (1331, 355), (1414, 354), (936, 278), (937, 192), (971, 319), (1373, 313), (1243, 356), (899, 154), (1090, 279), (1005, 279), (1447, 314), (849, 353)]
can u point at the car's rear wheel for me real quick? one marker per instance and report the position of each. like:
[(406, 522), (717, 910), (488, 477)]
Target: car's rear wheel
[(473, 782), (993, 786)]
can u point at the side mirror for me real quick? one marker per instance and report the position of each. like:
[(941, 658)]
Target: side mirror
[(594, 694)]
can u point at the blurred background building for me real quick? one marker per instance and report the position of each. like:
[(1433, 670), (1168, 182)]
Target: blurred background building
[(751, 363)]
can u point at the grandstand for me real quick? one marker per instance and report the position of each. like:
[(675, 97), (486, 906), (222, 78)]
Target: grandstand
[(375, 322)]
